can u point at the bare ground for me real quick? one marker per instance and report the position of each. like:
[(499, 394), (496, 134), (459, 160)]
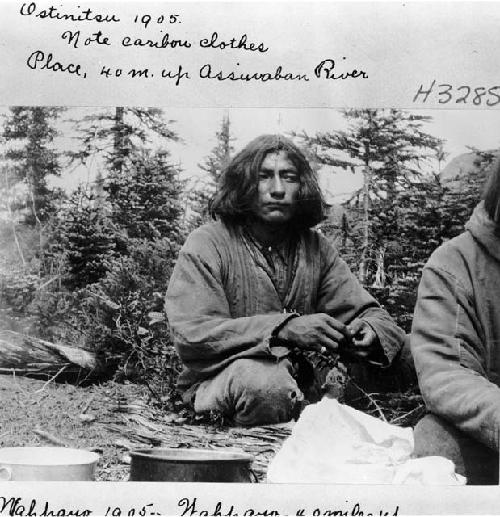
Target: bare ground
[(31, 409), (113, 419)]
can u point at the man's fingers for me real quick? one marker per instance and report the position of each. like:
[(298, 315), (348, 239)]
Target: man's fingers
[(332, 334), (366, 336), (324, 333), (337, 326), (356, 326), (328, 340)]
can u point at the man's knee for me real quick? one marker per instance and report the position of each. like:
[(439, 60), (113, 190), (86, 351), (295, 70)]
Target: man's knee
[(436, 437), (253, 392), (268, 397), (263, 392)]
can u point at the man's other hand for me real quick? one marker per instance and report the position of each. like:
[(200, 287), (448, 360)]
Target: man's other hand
[(363, 338), (318, 332)]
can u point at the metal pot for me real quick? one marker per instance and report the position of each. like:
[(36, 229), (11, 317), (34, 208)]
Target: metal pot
[(195, 465), (47, 464)]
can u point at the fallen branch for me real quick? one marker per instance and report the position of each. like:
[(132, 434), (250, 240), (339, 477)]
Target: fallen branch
[(19, 371), (50, 437), (28, 355)]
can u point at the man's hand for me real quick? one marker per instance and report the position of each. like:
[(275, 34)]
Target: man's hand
[(325, 334), (363, 339), (318, 332)]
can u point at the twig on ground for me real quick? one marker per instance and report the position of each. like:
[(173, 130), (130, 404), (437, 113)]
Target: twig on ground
[(88, 403), (52, 378), (50, 437), (406, 415), (372, 400), (48, 282), (144, 422), (44, 395)]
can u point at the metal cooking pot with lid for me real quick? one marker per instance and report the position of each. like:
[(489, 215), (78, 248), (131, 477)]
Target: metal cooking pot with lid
[(195, 465), (47, 464)]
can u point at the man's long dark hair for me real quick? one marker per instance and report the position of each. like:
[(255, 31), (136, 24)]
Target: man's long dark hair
[(491, 194), (237, 190)]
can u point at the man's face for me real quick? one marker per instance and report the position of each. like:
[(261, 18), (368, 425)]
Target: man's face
[(278, 189)]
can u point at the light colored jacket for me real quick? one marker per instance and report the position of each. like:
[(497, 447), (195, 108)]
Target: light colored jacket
[(222, 305), (455, 337)]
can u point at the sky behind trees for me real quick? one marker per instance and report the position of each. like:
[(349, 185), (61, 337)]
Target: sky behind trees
[(459, 129), (197, 129)]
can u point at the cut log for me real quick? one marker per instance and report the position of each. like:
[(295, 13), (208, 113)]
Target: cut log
[(27, 355)]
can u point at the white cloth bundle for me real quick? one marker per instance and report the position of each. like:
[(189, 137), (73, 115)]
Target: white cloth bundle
[(334, 443)]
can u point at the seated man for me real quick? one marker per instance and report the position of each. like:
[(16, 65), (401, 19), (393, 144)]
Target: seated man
[(455, 343), (257, 283)]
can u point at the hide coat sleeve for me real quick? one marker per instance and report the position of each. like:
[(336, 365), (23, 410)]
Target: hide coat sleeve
[(455, 337), (221, 304)]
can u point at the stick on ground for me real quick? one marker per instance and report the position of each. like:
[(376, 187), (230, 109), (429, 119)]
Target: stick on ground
[(50, 438)]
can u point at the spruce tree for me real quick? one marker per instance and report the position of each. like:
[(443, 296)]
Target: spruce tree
[(220, 155), (87, 238), (145, 202), (212, 166), (113, 134), (31, 157), (388, 147), (136, 188)]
